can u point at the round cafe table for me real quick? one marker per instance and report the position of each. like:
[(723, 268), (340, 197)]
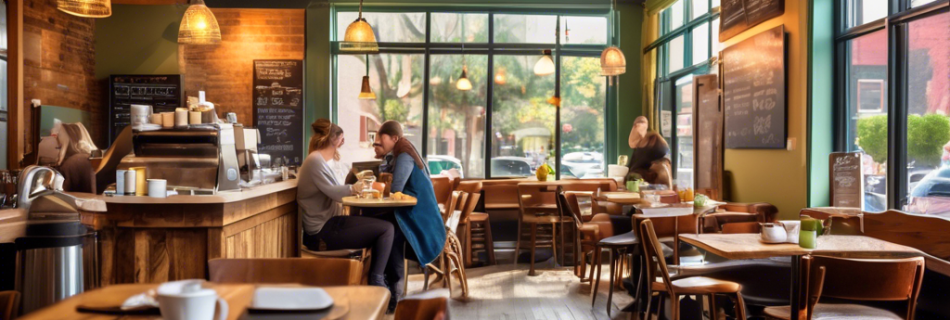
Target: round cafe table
[(354, 201)]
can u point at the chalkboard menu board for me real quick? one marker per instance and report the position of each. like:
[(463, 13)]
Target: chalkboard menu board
[(278, 109), (739, 15), (707, 145), (847, 180), (754, 91), (162, 92)]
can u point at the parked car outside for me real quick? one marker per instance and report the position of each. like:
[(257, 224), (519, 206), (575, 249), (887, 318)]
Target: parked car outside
[(439, 163), (931, 195), (510, 167), (582, 165)]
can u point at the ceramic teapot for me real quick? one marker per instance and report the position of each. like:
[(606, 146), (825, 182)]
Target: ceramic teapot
[(773, 233)]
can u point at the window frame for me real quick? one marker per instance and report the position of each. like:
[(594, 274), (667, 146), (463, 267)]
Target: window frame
[(429, 48), (900, 13), (663, 74)]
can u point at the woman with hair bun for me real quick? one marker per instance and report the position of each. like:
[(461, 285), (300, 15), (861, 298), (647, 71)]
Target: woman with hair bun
[(320, 196)]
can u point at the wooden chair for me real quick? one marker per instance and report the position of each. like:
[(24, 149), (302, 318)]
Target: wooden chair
[(9, 304), (429, 305), (475, 226), (443, 191), (305, 271), (577, 205), (856, 279), (538, 206), (658, 277), (450, 261), (619, 247)]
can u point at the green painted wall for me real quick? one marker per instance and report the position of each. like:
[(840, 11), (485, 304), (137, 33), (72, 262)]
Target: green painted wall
[(318, 63), (821, 103), (138, 40), (630, 86)]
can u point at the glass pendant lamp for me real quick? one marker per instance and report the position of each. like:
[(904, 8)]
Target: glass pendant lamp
[(463, 83), (199, 25), (545, 65), (359, 36), (366, 92)]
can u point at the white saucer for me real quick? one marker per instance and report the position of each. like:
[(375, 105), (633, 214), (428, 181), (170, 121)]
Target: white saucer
[(290, 299)]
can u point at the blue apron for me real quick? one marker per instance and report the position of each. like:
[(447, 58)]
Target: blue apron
[(422, 224)]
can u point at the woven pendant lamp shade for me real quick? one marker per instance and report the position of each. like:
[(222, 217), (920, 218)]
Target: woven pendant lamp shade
[(86, 8), (359, 36), (199, 26), (612, 62)]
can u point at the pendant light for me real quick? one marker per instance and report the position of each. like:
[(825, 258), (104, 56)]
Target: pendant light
[(199, 26), (612, 60), (501, 77), (359, 36), (86, 8), (463, 84), (545, 65), (366, 93)]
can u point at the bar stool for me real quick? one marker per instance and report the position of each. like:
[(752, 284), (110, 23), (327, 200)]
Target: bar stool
[(538, 205)]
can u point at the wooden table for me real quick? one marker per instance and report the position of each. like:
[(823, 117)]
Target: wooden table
[(747, 246), (621, 197), (354, 201), (358, 302)]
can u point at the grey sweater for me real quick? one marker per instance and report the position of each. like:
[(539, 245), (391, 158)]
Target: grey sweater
[(319, 194)]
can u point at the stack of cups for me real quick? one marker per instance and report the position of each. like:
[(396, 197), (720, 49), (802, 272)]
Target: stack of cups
[(140, 114)]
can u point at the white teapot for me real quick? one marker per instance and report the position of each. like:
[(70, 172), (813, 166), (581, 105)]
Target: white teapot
[(773, 233)]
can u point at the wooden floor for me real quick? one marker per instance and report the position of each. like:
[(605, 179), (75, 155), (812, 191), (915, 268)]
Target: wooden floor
[(506, 292)]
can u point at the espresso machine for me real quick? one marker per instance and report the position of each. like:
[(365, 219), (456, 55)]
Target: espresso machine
[(248, 159), (198, 160)]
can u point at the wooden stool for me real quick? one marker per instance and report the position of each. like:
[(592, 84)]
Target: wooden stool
[(539, 211), (478, 239)]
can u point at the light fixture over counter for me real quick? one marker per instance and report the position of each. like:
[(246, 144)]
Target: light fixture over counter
[(359, 36), (199, 25), (86, 8)]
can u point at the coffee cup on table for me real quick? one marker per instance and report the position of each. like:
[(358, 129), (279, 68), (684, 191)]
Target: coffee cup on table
[(157, 188), (189, 300)]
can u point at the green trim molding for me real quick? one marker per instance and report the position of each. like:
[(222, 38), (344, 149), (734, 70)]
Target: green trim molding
[(820, 100)]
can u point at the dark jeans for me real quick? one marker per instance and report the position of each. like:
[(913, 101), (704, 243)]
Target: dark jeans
[(621, 224), (355, 232), (400, 251)]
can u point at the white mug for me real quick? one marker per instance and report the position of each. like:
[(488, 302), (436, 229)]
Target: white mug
[(120, 182), (198, 305), (130, 182), (157, 188), (773, 233)]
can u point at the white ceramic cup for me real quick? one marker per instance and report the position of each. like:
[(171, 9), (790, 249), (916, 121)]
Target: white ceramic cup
[(198, 305), (130, 182), (157, 188), (120, 182)]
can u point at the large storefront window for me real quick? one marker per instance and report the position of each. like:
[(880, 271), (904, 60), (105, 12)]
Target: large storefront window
[(505, 125), (913, 175)]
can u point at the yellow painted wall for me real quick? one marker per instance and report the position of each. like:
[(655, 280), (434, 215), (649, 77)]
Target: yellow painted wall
[(779, 177)]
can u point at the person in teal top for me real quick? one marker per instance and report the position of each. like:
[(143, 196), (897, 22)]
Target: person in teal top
[(419, 226)]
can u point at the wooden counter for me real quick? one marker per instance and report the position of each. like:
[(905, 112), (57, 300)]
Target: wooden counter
[(152, 240)]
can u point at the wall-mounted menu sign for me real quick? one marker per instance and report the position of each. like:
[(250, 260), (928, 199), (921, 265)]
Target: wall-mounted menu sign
[(278, 109), (739, 15), (847, 180), (162, 92), (754, 91)]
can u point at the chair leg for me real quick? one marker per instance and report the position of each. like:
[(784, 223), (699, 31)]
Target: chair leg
[(713, 309), (489, 243), (595, 269), (534, 246), (594, 261), (463, 280), (674, 307), (518, 242), (610, 289), (554, 240), (659, 305)]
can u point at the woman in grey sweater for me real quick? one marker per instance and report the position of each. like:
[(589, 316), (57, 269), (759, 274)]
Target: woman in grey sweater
[(319, 196)]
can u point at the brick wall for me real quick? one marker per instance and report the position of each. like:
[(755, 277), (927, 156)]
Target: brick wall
[(225, 71), (59, 64)]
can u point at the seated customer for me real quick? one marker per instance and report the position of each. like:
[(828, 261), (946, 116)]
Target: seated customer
[(420, 226), (319, 194), (75, 149), (649, 154)]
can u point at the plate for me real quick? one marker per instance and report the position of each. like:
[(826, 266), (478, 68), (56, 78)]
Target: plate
[(290, 299)]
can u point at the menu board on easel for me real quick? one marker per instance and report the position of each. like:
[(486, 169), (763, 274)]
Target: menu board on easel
[(707, 148), (278, 109), (847, 180), (753, 73), (740, 15)]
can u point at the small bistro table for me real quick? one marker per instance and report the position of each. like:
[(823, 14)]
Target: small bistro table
[(748, 246), (350, 302)]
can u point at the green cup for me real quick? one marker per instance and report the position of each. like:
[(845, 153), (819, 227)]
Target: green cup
[(633, 186), (808, 239)]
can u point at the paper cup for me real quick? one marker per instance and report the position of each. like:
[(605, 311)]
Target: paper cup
[(157, 188), (155, 118), (168, 120), (130, 182), (194, 117), (120, 182), (141, 188)]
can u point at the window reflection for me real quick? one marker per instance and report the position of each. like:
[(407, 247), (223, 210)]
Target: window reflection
[(867, 105)]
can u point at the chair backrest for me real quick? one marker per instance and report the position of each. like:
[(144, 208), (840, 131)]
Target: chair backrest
[(863, 279), (844, 221), (474, 190), (305, 271), (534, 194), (667, 226), (452, 217), (442, 186), (121, 147), (9, 304), (428, 305), (501, 193), (655, 260)]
